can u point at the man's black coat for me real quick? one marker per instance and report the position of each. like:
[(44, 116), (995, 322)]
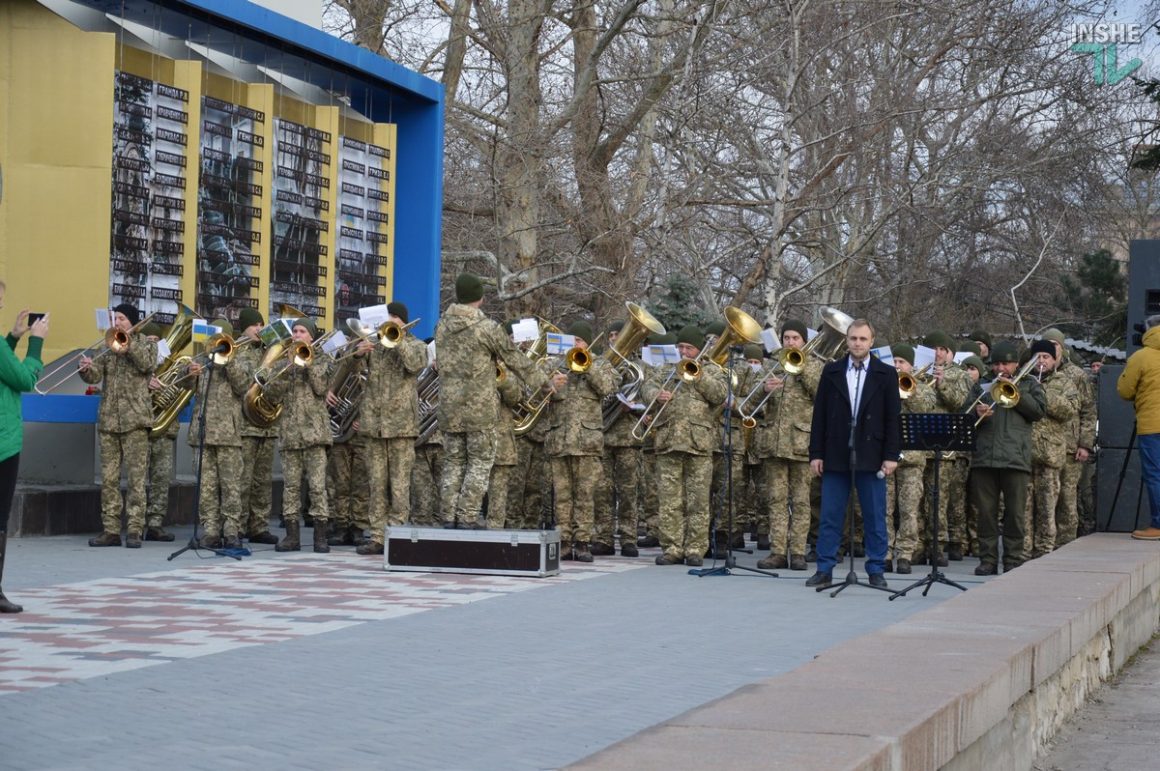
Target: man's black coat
[(879, 431)]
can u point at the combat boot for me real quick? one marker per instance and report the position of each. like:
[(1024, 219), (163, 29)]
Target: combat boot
[(290, 542), (954, 552), (263, 537), (106, 539), (763, 542), (565, 551), (648, 542), (132, 540), (797, 562), (629, 550), (582, 552), (320, 544), (369, 547), (6, 605), (157, 533), (599, 549), (773, 562)]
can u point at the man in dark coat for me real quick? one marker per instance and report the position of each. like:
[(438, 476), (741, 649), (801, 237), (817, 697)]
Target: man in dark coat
[(856, 427)]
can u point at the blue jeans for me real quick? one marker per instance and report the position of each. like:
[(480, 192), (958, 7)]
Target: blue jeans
[(872, 497), (1149, 445)]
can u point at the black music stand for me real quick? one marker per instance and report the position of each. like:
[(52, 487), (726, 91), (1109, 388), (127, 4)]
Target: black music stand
[(940, 432)]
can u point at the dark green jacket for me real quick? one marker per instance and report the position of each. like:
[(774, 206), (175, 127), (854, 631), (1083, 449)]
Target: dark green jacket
[(16, 377), (1004, 439)]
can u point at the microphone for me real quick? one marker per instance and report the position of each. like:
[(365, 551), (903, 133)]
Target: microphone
[(881, 474)]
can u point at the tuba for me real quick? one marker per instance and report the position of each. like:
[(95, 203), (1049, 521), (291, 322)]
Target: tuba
[(636, 329), (533, 405), (170, 399), (348, 385), (428, 386)]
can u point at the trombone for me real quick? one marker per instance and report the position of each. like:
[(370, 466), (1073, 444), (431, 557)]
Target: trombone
[(1005, 393), (388, 334), (531, 407), (113, 340), (791, 361), (298, 354)]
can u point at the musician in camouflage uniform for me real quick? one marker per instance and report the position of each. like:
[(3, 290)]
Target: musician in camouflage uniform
[(499, 487), (304, 431), (220, 501), (257, 470), (347, 479), (162, 448), (1081, 440), (620, 482), (783, 443), (650, 506), (428, 468), (951, 386), (962, 513), (575, 443), (728, 533), (124, 420), (1049, 444), (904, 487), (469, 344), (753, 498), (389, 419), (685, 439)]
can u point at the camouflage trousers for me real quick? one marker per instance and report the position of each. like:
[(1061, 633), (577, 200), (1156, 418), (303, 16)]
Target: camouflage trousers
[(904, 497), (683, 491), (1087, 502), (467, 462), (305, 465), (528, 487), (944, 494), (348, 485), (1039, 520), (220, 504), (257, 483), (616, 497), (755, 501), (573, 480), (161, 453), (1067, 508), (787, 483), (130, 449), (719, 492), (650, 504), (389, 464), (959, 526), (498, 497), (425, 475)]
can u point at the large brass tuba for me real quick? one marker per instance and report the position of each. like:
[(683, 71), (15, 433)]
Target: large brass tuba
[(170, 399), (428, 386), (740, 328), (636, 329)]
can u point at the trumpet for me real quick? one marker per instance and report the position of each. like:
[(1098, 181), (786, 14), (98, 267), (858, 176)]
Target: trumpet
[(1005, 393), (907, 385), (114, 340)]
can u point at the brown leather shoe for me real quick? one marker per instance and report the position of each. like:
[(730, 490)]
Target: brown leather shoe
[(106, 539), (1147, 534), (774, 562)]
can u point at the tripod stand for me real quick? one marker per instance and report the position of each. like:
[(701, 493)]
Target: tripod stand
[(193, 542), (727, 448), (939, 432)]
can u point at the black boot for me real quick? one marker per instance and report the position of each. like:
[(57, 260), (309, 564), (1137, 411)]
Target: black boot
[(291, 542), (320, 544), (6, 605)]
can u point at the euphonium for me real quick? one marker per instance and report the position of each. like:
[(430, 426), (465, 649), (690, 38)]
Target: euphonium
[(428, 386), (171, 398), (348, 385), (636, 329)]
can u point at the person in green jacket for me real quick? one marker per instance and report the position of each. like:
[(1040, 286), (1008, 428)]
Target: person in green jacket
[(1140, 384), (16, 377)]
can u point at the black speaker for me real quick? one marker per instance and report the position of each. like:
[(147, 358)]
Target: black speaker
[(1143, 287), (1116, 415), (1131, 512)]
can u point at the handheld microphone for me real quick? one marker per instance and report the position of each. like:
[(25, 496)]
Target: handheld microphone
[(881, 474)]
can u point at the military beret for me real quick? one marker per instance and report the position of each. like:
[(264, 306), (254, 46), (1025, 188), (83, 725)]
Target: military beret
[(468, 288), (691, 335), (795, 326), (248, 318), (981, 336), (1043, 346), (976, 362), (1054, 335), (398, 309), (582, 330), (939, 339), (153, 329), (307, 322), (972, 346), (1004, 352), (903, 351), (128, 311), (754, 351)]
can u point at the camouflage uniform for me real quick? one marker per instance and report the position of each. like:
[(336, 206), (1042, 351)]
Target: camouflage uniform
[(950, 396), (499, 487), (685, 438), (389, 421), (304, 431), (575, 446), (257, 455), (620, 481), (529, 488), (783, 444), (753, 498), (1049, 440), (425, 475), (161, 458), (468, 344), (221, 461), (124, 420), (347, 487), (719, 490), (1083, 434), (904, 487)]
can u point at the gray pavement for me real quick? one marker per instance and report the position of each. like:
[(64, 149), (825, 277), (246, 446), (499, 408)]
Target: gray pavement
[(526, 678), (1119, 726)]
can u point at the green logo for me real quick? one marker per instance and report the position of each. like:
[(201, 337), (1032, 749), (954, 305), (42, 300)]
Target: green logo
[(1105, 62)]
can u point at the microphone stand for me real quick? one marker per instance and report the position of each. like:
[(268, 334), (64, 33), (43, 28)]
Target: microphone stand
[(727, 447), (194, 544), (852, 576)]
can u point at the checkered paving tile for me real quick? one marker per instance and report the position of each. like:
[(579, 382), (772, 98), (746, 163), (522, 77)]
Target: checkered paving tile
[(102, 627)]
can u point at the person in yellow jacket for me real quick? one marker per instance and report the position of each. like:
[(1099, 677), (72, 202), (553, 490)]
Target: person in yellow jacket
[(1139, 383)]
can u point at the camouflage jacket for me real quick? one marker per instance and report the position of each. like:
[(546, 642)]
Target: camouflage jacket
[(922, 400), (468, 344), (126, 402), (689, 422), (744, 379), (247, 360), (510, 392), (1084, 423), (1050, 436), (223, 406), (576, 416), (390, 406), (305, 421), (619, 434), (783, 429), (951, 393)]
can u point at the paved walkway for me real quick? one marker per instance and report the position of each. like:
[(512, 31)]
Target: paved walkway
[(1118, 727), (124, 660)]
